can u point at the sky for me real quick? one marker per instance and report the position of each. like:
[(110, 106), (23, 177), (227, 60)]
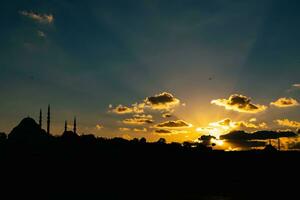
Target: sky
[(149, 68)]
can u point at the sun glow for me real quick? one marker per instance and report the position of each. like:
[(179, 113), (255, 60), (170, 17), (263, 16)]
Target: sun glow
[(213, 131), (217, 142)]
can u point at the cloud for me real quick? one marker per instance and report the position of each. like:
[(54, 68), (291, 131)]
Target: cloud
[(239, 103), (166, 115), (296, 85), (41, 34), (245, 144), (143, 116), (244, 140), (139, 120), (41, 18), (229, 124), (124, 129), (226, 125), (99, 126), (258, 135), (163, 131), (138, 107), (163, 101), (140, 130), (285, 102), (173, 124), (288, 123), (206, 139), (120, 109), (169, 132)]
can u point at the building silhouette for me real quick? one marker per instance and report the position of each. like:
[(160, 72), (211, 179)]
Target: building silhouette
[(40, 119), (48, 120), (66, 125), (74, 126)]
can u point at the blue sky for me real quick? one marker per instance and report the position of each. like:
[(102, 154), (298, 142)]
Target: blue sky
[(96, 53)]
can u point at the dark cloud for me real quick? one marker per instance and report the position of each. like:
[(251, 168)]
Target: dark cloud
[(239, 103), (258, 135), (163, 101), (173, 124), (206, 139), (246, 144), (163, 131)]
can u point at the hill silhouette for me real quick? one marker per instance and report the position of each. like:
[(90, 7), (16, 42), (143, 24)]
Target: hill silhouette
[(35, 164)]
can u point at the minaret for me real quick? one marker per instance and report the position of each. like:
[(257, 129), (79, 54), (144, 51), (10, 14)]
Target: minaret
[(66, 126), (48, 120), (74, 127), (40, 120)]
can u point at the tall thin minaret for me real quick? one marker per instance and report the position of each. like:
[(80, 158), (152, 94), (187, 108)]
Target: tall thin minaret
[(66, 126), (40, 120), (48, 120), (74, 127)]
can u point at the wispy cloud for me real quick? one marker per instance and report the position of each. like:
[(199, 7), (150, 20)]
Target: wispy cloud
[(166, 132), (296, 85), (140, 130), (139, 120), (41, 18), (41, 34), (239, 103), (124, 129)]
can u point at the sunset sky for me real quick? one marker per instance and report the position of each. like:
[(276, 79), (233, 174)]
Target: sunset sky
[(149, 68)]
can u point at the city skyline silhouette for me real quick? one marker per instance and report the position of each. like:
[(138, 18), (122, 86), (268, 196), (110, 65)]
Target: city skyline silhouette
[(149, 99)]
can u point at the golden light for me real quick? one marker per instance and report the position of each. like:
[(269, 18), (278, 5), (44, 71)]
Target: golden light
[(213, 131), (217, 142)]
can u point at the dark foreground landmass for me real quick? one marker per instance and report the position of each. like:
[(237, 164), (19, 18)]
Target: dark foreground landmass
[(85, 167)]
